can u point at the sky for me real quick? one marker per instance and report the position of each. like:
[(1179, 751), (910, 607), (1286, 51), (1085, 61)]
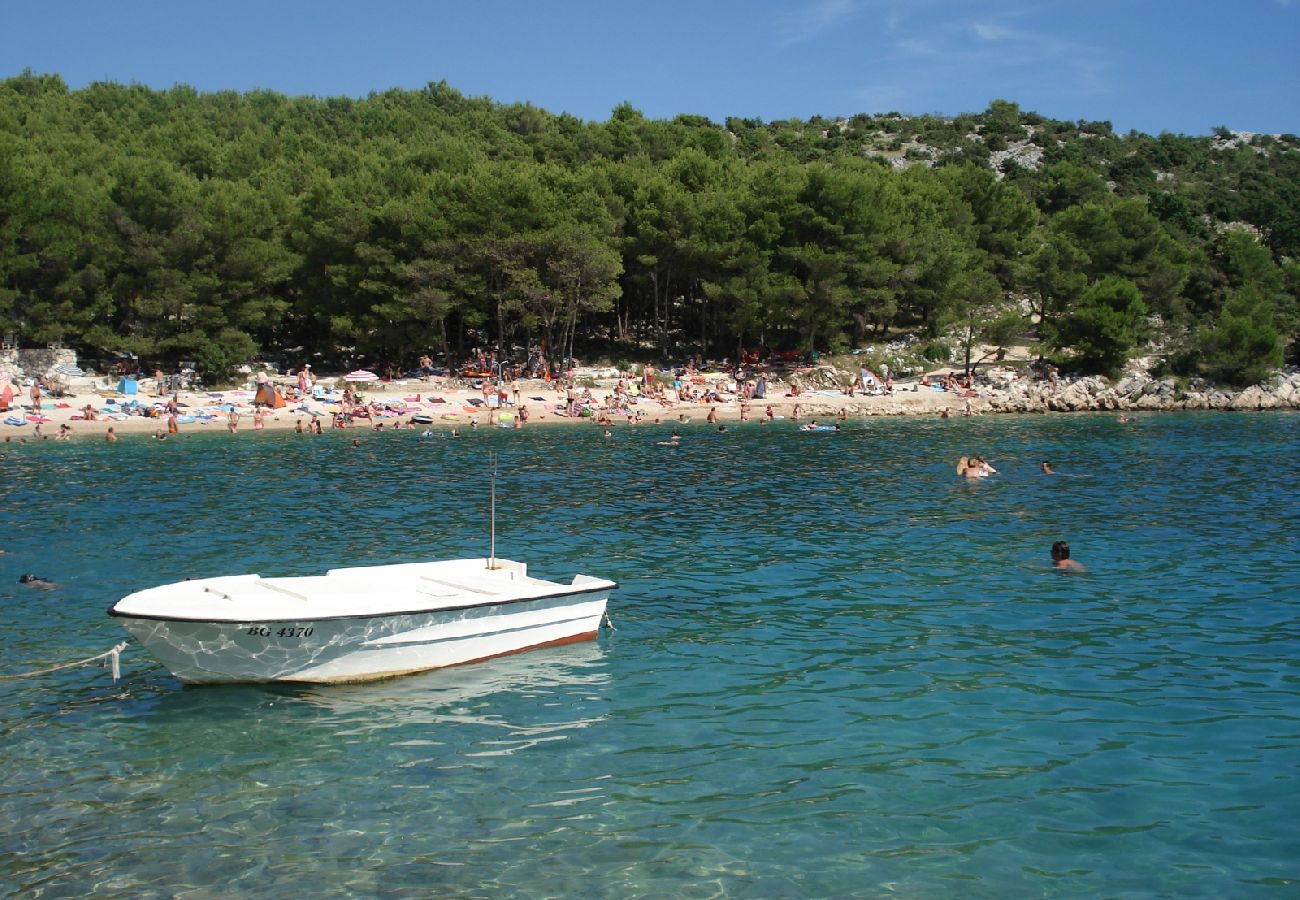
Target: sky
[(1183, 66)]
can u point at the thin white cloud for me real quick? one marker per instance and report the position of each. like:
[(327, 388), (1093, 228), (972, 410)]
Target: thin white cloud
[(916, 47), (815, 19), (941, 43), (989, 32)]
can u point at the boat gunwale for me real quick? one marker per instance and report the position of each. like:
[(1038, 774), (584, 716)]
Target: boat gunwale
[(573, 591)]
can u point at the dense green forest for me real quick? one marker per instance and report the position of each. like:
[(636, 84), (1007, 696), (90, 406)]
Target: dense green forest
[(178, 225)]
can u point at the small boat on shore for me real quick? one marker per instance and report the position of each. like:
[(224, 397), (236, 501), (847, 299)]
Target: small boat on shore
[(358, 624)]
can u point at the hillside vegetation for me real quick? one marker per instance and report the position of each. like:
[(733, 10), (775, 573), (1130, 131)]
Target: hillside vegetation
[(178, 226)]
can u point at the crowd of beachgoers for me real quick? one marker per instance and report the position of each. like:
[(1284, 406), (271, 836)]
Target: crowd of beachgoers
[(66, 409)]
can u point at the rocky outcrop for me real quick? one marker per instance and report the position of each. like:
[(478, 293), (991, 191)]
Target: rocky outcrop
[(1008, 393), (35, 363), (1097, 394)]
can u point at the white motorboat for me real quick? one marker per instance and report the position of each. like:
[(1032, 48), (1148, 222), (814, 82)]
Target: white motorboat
[(358, 624)]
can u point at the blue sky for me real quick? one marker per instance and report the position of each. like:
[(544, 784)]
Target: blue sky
[(1153, 65)]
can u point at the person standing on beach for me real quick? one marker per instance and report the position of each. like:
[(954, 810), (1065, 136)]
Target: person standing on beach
[(232, 419), (35, 394)]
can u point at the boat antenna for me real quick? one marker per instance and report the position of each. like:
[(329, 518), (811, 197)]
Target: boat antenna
[(492, 514)]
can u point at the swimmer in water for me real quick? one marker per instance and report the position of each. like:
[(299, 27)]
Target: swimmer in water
[(1046, 468), (37, 581), (1061, 559)]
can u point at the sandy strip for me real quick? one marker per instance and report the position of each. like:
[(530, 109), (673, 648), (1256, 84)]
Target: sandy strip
[(813, 405)]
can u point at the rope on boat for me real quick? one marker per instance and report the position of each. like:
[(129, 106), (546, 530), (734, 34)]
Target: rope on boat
[(113, 657), (609, 623)]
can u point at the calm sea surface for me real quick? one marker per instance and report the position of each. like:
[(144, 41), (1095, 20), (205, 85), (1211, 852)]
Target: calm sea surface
[(838, 669)]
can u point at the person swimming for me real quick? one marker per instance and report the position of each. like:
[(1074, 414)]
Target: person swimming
[(974, 467), (36, 581), (1046, 468), (1061, 559)]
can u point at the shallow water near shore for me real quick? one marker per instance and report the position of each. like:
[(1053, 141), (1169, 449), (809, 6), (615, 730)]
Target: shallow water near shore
[(838, 669)]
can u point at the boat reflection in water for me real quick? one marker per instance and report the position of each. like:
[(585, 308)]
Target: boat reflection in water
[(547, 695)]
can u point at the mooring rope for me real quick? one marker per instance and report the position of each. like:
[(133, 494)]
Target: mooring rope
[(112, 655), (609, 623)]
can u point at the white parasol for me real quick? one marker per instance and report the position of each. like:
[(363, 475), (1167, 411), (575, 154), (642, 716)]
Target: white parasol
[(361, 375)]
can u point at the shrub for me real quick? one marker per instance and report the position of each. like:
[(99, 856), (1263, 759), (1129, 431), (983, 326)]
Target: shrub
[(937, 352), (1104, 325), (1243, 347)]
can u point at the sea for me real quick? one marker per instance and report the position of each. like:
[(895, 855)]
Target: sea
[(836, 669)]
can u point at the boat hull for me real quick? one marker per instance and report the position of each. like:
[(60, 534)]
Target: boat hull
[(364, 648)]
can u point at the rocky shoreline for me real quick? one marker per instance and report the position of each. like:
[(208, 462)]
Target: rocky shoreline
[(1140, 393), (1016, 394)]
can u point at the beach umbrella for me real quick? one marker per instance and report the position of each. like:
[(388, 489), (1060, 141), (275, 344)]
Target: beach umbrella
[(72, 371), (361, 375)]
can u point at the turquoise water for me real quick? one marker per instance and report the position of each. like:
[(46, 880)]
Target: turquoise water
[(838, 670)]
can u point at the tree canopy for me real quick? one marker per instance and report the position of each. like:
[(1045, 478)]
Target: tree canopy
[(180, 225)]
